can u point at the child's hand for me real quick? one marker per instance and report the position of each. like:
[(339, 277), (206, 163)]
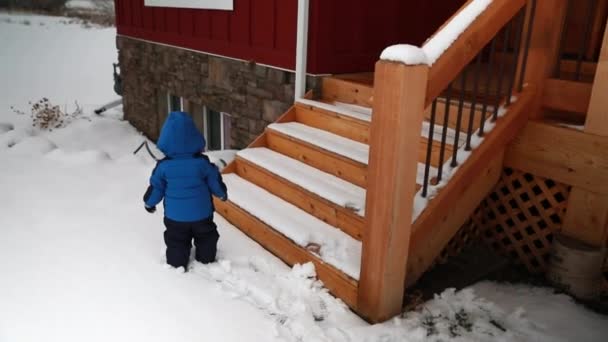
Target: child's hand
[(151, 210)]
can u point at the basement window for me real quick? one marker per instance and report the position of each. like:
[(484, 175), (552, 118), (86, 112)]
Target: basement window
[(227, 5), (214, 125)]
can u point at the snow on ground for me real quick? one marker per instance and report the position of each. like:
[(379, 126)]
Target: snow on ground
[(80, 260), (81, 4)]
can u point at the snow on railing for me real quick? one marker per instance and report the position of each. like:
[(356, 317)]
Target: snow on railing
[(430, 52)]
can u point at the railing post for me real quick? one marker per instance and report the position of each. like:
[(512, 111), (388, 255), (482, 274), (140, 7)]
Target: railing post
[(544, 45), (587, 214), (301, 48), (399, 98)]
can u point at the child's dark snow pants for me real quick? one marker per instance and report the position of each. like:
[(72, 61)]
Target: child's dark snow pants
[(178, 238)]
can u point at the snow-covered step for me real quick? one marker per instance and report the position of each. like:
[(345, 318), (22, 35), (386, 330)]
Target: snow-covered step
[(328, 141), (327, 119), (329, 244), (343, 218), (325, 185), (339, 156), (342, 110)]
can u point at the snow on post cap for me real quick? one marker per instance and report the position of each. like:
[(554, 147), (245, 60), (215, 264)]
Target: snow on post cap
[(404, 53), (440, 42)]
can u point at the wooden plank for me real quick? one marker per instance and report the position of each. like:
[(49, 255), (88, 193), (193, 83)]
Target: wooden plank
[(587, 216), (341, 125), (567, 96), (599, 22), (429, 239), (468, 45), (336, 281), (337, 165), (565, 155), (453, 204), (336, 89), (568, 66), (597, 117), (340, 217), (395, 134), (545, 40), (587, 213)]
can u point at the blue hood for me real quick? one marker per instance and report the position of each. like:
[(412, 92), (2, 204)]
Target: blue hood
[(179, 136)]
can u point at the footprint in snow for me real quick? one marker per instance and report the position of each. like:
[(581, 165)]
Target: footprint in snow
[(6, 127)]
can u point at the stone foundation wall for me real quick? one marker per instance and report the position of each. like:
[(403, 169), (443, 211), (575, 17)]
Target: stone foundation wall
[(253, 95)]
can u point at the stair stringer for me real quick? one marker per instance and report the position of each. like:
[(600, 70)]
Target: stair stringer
[(471, 183)]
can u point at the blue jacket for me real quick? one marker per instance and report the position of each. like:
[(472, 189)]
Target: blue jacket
[(186, 179)]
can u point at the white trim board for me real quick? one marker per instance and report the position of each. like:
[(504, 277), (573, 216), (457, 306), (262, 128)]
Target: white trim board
[(227, 5)]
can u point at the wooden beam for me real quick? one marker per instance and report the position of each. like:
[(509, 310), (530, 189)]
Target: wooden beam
[(469, 44), (424, 251), (545, 40), (587, 214), (567, 96), (568, 67), (450, 208), (563, 154), (395, 133), (597, 117)]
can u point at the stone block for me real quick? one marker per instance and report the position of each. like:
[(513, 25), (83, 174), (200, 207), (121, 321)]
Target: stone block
[(272, 110), (277, 76), (260, 71)]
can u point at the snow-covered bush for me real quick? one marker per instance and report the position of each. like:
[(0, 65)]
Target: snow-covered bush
[(47, 116)]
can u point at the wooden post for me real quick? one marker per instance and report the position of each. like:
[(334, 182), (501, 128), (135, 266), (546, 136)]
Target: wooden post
[(587, 213), (545, 42), (399, 95)]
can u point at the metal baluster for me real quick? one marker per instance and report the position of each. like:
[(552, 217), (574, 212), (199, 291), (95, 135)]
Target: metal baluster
[(527, 47), (585, 40), (463, 83), (474, 101), (486, 98), (429, 149), (444, 132), (520, 28), (501, 72)]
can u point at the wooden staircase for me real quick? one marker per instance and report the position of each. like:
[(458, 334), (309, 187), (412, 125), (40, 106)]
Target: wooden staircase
[(327, 184)]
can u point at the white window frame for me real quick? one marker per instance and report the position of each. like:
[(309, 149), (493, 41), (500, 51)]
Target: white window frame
[(226, 5), (205, 119), (206, 132), (181, 103)]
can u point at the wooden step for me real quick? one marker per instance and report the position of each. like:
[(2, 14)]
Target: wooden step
[(330, 187), (351, 90), (358, 130), (339, 124), (342, 157), (280, 228), (325, 210)]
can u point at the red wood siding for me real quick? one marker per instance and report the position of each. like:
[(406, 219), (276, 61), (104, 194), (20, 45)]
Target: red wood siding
[(259, 30), (345, 35)]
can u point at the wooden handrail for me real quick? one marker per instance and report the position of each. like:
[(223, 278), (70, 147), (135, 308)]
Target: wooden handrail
[(469, 44)]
